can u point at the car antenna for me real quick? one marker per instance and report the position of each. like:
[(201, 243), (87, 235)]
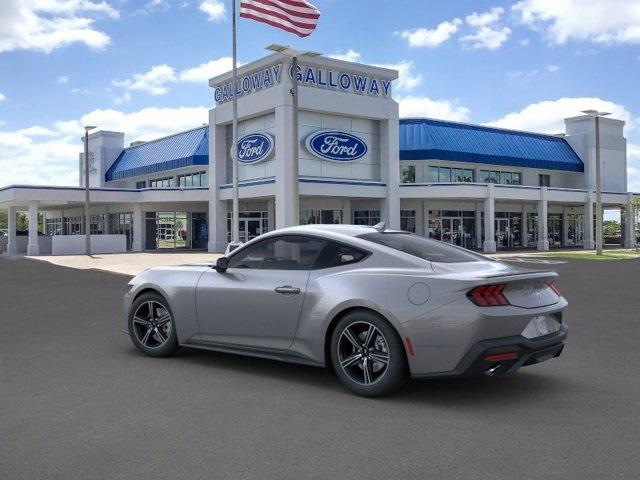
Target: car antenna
[(380, 227)]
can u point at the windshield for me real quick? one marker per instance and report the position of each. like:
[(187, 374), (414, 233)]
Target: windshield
[(426, 248)]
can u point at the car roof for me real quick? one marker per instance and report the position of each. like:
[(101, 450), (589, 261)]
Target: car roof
[(344, 230)]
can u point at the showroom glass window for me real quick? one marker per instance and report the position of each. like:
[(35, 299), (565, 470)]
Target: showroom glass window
[(280, 253), (408, 220), (503, 178), (366, 217), (544, 180), (447, 174), (408, 174), (193, 180)]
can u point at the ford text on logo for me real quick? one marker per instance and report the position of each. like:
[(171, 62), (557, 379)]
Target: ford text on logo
[(336, 146), (255, 147)]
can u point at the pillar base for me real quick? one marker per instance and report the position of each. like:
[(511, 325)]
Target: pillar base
[(33, 249), (12, 249), (489, 247), (589, 245), (629, 243), (543, 245)]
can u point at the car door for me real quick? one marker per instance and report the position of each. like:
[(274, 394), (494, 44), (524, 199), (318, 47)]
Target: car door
[(258, 300)]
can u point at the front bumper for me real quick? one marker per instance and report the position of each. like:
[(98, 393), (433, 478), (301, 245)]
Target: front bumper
[(527, 352)]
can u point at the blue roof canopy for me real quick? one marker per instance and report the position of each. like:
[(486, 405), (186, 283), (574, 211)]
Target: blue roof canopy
[(176, 151), (426, 139)]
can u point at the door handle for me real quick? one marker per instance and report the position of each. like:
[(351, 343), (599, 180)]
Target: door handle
[(288, 290)]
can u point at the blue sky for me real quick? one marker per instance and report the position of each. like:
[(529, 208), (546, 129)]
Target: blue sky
[(141, 66)]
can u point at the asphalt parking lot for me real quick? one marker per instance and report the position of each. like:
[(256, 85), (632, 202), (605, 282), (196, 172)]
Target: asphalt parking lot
[(77, 401)]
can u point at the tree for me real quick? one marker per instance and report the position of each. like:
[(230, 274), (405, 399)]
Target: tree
[(3, 220)]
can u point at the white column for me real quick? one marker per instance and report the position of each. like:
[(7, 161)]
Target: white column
[(478, 225), (218, 209), (138, 220), (33, 247), (589, 242), (285, 216), (543, 240), (425, 217), (489, 245), (629, 224), (390, 165), (565, 227), (12, 245), (271, 211), (420, 229), (347, 214)]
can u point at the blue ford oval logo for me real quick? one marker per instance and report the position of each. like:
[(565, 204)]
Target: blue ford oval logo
[(336, 146), (255, 147)]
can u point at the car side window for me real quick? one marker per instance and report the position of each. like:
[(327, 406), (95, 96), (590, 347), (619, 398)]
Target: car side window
[(279, 253), (335, 254)]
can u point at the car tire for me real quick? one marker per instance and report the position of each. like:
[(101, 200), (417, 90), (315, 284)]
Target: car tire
[(351, 338), (153, 335)]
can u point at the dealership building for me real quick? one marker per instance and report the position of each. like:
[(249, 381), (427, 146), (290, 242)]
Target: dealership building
[(475, 186)]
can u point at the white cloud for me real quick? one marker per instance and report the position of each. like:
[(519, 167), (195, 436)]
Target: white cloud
[(203, 72), (63, 79), (349, 56), (595, 21), (120, 99), (2, 96), (424, 37), (48, 155), (419, 106), (214, 9), (157, 80), (154, 81), (45, 25), (407, 78), (527, 75), (486, 18), (548, 116), (525, 42), (487, 37)]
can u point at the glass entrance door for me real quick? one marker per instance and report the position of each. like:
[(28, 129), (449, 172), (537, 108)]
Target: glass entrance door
[(504, 237), (250, 228), (452, 231)]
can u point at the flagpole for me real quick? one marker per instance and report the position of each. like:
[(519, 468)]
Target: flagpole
[(296, 144), (235, 220)]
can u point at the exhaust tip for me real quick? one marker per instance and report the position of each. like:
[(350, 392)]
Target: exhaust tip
[(491, 371)]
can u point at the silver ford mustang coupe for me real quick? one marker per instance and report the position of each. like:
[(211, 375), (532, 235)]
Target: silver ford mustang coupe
[(377, 306)]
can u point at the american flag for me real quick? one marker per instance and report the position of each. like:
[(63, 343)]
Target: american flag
[(295, 16)]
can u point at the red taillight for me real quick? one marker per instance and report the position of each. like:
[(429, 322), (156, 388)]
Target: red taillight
[(552, 285), (488, 295), (496, 357)]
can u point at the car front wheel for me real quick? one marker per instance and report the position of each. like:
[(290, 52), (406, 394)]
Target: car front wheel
[(151, 326), (368, 355)]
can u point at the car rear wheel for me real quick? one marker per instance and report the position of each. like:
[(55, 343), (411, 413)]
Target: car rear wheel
[(151, 326), (367, 354)]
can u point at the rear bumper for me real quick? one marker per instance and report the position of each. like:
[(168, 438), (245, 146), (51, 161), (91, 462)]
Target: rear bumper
[(527, 352)]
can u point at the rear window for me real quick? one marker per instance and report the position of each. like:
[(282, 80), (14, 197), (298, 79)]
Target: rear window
[(431, 250)]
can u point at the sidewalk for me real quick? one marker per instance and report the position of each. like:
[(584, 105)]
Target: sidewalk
[(128, 263)]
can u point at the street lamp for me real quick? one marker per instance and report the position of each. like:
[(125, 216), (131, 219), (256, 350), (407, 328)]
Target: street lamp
[(596, 114), (87, 217), (294, 55)]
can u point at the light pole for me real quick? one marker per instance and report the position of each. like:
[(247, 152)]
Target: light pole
[(87, 217), (294, 55), (596, 114)]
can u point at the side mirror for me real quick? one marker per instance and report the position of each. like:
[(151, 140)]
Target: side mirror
[(222, 264)]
